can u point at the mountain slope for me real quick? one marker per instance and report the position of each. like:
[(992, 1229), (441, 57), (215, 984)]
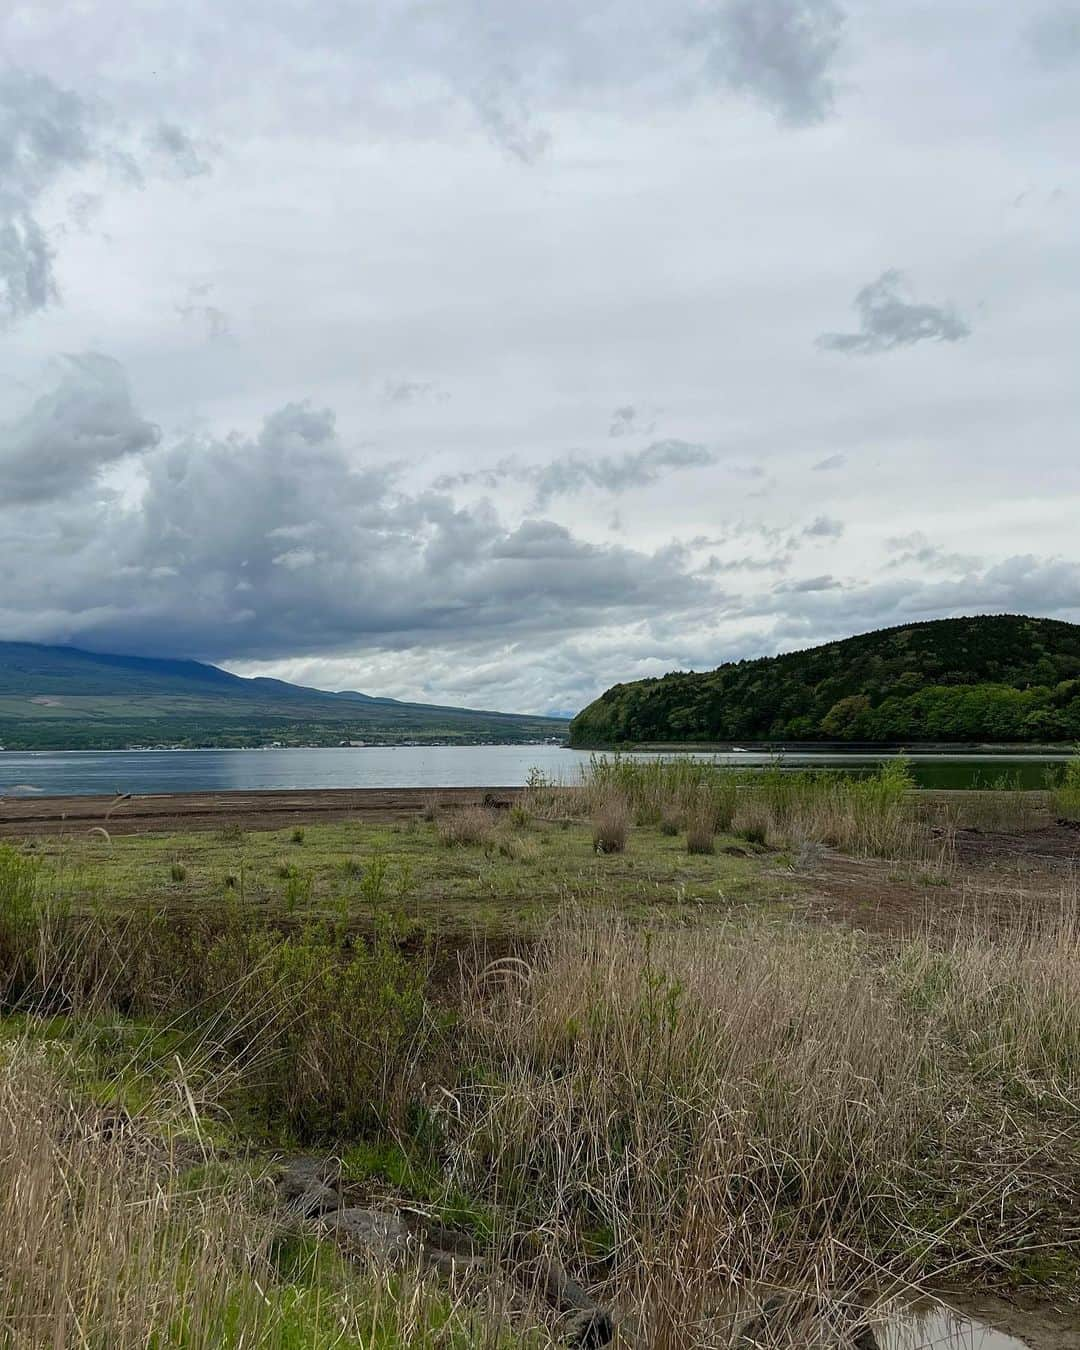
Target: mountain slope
[(1000, 678), (61, 697)]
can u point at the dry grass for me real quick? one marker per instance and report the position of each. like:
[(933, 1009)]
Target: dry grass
[(468, 826), (1008, 995), (1006, 809), (98, 1243), (658, 787), (611, 823), (763, 1106), (107, 1242), (875, 816)]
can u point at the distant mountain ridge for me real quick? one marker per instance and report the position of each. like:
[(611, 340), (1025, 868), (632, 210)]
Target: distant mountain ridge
[(64, 697), (988, 678)]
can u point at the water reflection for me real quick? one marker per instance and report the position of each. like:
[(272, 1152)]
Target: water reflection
[(941, 1328), (77, 772)]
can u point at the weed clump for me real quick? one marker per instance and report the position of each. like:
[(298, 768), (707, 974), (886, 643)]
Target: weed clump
[(1065, 794), (468, 826), (611, 824)]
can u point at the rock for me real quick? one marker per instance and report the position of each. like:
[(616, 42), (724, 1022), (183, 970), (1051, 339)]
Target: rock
[(588, 1324), (589, 1329), (380, 1231), (308, 1187)]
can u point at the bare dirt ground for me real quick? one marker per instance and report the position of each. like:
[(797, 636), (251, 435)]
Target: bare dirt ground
[(992, 874), (186, 811)]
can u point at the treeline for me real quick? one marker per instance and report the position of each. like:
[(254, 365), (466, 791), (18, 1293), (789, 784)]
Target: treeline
[(1001, 678)]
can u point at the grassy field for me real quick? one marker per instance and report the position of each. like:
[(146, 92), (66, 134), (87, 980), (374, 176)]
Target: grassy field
[(599, 1025)]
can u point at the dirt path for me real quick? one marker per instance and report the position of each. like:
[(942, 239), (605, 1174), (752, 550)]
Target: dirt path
[(185, 811)]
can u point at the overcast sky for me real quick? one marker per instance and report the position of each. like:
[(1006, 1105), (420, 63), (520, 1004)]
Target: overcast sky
[(487, 352)]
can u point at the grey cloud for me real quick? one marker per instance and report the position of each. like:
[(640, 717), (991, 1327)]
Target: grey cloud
[(70, 434), (197, 308), (45, 133), (916, 548), (82, 207), (807, 585), (628, 421), (780, 51), (505, 113), (887, 320), (617, 473), (176, 147), (279, 544), (823, 527), (413, 391), (720, 566), (1054, 37), (571, 473), (830, 463)]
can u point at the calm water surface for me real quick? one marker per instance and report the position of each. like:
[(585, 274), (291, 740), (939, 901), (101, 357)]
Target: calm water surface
[(82, 772), (943, 1329)]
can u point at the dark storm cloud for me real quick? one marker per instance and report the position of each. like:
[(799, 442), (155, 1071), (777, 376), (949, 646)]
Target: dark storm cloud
[(276, 545), (70, 434), (888, 320), (571, 473), (779, 51)]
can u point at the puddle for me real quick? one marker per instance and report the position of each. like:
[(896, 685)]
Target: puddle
[(940, 1328)]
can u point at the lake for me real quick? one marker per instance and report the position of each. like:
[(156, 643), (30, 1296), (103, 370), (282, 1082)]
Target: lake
[(103, 772)]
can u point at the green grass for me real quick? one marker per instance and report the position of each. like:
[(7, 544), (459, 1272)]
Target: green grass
[(356, 871)]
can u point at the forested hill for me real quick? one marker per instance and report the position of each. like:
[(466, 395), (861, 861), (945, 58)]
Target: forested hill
[(62, 698), (996, 678)]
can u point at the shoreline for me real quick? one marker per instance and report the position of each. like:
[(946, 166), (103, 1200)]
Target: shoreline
[(270, 808)]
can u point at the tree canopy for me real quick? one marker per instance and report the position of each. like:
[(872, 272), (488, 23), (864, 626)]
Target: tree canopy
[(999, 678)]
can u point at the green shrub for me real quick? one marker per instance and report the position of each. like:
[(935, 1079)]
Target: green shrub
[(18, 921), (1065, 797), (329, 1041)]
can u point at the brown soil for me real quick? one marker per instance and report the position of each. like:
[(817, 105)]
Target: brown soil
[(186, 811), (993, 870)]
